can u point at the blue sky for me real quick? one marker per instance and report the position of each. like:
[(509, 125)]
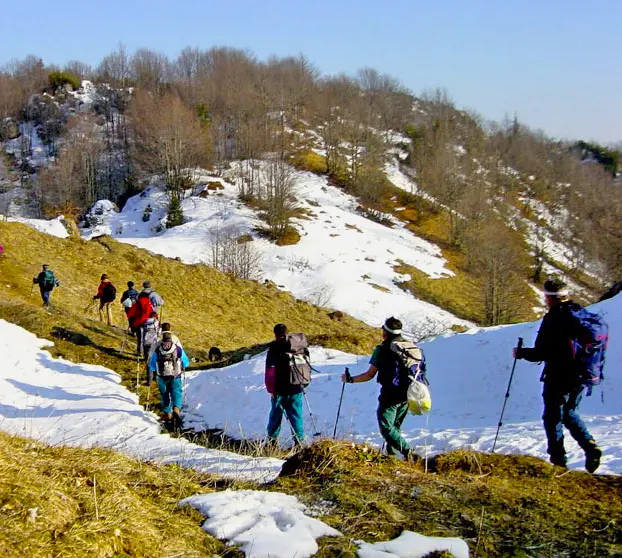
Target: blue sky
[(557, 64)]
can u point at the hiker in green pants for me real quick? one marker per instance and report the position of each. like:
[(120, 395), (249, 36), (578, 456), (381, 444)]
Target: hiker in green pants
[(392, 403)]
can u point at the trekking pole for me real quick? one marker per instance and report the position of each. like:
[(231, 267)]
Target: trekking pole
[(343, 386), (507, 395), (313, 423)]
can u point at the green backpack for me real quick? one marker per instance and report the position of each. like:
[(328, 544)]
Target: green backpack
[(48, 281)]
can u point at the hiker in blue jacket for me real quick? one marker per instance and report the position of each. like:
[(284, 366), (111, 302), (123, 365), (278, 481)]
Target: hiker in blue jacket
[(46, 282), (562, 390), (287, 398), (168, 362)]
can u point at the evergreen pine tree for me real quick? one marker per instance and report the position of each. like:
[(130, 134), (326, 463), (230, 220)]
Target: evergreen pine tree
[(175, 213)]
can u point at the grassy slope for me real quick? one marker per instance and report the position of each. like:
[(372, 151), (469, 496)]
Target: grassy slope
[(58, 501), (204, 306), (502, 505)]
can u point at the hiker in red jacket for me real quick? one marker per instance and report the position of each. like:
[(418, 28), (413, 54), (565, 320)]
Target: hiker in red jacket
[(138, 314), (106, 293)]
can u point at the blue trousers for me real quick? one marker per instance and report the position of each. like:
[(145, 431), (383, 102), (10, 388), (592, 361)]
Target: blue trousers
[(45, 295), (170, 392), (291, 405), (562, 409)]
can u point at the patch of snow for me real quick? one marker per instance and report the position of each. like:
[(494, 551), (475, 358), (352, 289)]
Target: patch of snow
[(262, 524), (59, 402), (468, 373), (52, 227), (413, 545), (340, 257)]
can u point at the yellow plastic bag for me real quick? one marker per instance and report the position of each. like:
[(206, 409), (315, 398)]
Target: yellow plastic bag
[(419, 399)]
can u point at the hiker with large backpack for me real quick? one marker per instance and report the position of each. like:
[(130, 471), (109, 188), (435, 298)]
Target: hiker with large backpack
[(571, 341), (150, 332), (138, 314), (168, 361), (128, 298), (287, 374), (156, 300), (106, 294), (398, 364), (46, 281)]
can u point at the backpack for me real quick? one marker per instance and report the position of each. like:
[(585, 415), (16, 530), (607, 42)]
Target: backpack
[(418, 397), (168, 359), (409, 373), (150, 332), (299, 365), (48, 281), (408, 362), (156, 299), (588, 345), (110, 292)]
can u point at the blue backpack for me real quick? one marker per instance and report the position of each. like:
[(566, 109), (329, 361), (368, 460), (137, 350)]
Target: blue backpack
[(589, 344)]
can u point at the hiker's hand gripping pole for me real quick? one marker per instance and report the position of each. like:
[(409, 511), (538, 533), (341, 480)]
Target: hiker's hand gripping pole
[(507, 393)]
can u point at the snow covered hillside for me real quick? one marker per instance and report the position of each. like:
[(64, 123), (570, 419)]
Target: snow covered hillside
[(468, 373), (343, 259), (58, 402)]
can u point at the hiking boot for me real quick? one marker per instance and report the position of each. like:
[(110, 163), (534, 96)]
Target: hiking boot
[(560, 461), (166, 416), (592, 457), (177, 411)]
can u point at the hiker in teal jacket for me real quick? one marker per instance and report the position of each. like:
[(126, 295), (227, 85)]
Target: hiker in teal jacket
[(46, 282), (168, 362), (393, 401)]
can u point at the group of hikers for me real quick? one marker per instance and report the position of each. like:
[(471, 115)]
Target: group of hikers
[(288, 370), (165, 358), (573, 362)]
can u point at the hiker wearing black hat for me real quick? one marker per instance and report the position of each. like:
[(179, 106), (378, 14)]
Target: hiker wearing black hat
[(106, 293), (168, 362), (128, 299), (562, 389), (285, 396), (393, 401), (46, 282)]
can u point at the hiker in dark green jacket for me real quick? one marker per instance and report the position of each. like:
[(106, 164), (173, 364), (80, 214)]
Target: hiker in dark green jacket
[(46, 282), (393, 401)]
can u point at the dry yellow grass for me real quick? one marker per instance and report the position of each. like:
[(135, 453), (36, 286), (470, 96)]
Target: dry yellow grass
[(71, 502), (501, 505), (205, 307)]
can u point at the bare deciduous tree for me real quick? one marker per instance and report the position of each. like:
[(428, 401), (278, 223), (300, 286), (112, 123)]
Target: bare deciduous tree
[(233, 253), (168, 138)]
